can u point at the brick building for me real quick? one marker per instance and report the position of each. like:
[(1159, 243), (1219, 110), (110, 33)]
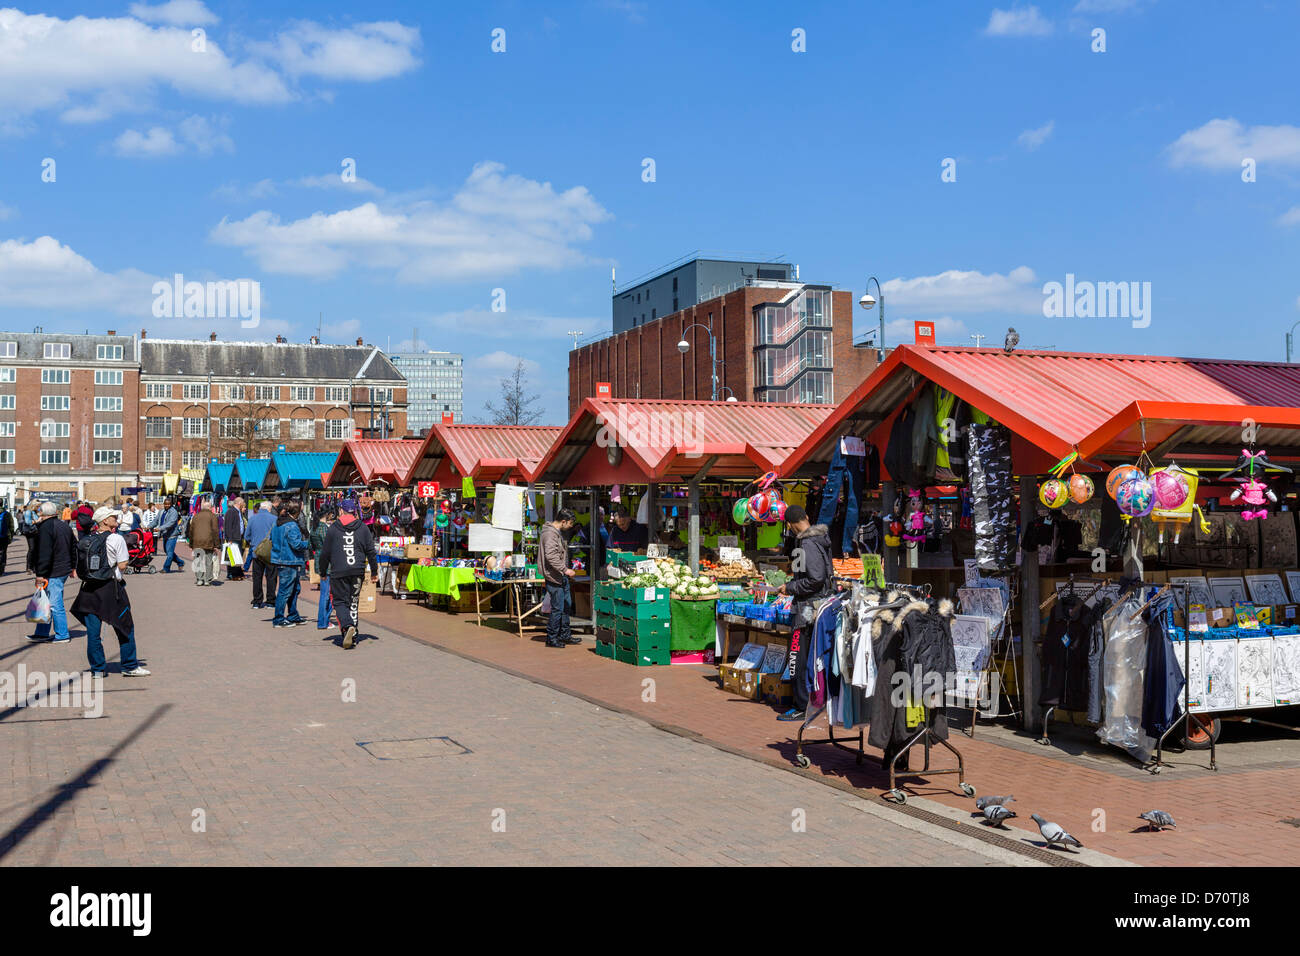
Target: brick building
[(777, 341), (68, 404), (217, 400)]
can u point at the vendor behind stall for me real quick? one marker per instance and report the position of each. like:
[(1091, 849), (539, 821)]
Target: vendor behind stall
[(810, 582), (627, 535)]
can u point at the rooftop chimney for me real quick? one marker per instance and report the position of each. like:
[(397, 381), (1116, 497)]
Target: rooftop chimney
[(143, 333), (359, 342), (112, 331), (212, 336), (279, 340)]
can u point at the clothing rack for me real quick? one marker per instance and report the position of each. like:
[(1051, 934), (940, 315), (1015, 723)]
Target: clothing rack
[(1187, 715), (924, 735)]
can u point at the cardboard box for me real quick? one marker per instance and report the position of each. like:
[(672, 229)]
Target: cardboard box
[(417, 551), (743, 683), (369, 595), (771, 687)]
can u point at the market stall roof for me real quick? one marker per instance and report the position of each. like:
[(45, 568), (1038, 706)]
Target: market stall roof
[(249, 473), (1195, 433), (627, 440), (488, 452), (1054, 401), (216, 477), (365, 460), (297, 469)]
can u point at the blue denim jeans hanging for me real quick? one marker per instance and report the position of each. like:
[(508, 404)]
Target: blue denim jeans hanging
[(846, 471)]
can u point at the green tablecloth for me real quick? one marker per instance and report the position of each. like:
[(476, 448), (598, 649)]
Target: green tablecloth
[(692, 624), (435, 580)]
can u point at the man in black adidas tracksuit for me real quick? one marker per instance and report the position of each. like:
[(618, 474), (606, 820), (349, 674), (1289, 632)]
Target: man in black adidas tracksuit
[(347, 549)]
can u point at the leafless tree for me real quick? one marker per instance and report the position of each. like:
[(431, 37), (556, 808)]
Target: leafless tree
[(517, 406)]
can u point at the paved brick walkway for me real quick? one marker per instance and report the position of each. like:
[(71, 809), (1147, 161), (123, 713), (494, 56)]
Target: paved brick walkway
[(249, 726), (1247, 813)]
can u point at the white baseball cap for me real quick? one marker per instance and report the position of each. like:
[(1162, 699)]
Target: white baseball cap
[(105, 512)]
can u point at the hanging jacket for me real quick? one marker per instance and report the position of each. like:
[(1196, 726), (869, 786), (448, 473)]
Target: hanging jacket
[(922, 625), (925, 438), (1065, 649), (1163, 688), (898, 459)]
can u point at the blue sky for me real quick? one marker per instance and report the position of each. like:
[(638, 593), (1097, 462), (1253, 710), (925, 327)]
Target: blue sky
[(522, 170)]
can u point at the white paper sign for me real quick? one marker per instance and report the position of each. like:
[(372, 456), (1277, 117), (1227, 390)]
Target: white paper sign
[(652, 551), (485, 537), (644, 567), (972, 572), (850, 445), (508, 507), (728, 555)]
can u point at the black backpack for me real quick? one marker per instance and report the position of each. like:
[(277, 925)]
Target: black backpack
[(92, 558)]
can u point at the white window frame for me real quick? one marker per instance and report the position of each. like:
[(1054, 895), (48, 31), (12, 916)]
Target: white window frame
[(157, 390), (159, 460), (231, 428), (301, 393), (58, 350), (108, 403), (8, 401), (108, 353), (107, 456), (56, 376), (55, 403), (336, 394), (199, 430), (8, 349), (8, 429), (266, 393), (164, 419), (6, 456), (56, 430), (197, 457), (195, 391), (108, 376), (297, 426), (54, 456), (108, 429), (267, 428), (8, 374), (341, 425)]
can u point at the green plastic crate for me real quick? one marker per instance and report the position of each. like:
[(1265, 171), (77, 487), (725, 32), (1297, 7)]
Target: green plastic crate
[(641, 595), (603, 604), (642, 658), (605, 650), (643, 628)]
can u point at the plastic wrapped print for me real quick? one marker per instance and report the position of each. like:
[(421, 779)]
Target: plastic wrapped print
[(992, 497)]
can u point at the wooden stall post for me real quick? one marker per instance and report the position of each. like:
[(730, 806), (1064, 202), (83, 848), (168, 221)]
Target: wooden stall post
[(1031, 714), (652, 512), (694, 534), (548, 502)]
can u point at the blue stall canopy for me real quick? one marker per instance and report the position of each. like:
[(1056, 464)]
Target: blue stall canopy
[(217, 477), (249, 474), (297, 470)]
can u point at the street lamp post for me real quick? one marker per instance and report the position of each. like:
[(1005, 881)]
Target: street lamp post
[(683, 346), (868, 302), (1289, 340)]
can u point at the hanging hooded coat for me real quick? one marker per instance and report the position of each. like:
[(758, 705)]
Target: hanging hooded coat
[(915, 637)]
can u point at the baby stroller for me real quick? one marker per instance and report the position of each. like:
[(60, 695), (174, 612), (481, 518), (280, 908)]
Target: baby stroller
[(141, 550)]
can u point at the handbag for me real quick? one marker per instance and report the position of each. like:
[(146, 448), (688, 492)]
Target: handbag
[(38, 608), (263, 551)]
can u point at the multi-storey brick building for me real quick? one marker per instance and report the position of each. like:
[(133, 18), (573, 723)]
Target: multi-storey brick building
[(68, 406), (216, 400), (776, 341)]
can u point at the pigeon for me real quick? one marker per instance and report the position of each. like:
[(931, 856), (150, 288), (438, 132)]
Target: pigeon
[(995, 814), (1053, 833), (1157, 820), (984, 802), (1011, 341)]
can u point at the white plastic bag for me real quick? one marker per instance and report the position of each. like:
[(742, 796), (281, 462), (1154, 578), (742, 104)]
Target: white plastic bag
[(38, 608)]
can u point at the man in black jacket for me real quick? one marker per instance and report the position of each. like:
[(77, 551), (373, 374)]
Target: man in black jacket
[(6, 533), (55, 559), (811, 580), (346, 551)]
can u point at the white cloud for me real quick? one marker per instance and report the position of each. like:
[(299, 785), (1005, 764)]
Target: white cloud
[(345, 331), (1223, 143), (502, 363), (957, 291), (495, 225), (336, 181), (1018, 22), (45, 274), (1289, 218), (364, 52), (90, 68), (198, 134), (1031, 139), (179, 13)]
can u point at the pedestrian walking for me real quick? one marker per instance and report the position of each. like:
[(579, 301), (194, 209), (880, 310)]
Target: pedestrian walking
[(233, 534), (258, 533), (204, 537), (345, 552), (83, 519), (325, 604), (169, 534), (101, 559), (27, 528), (55, 559), (6, 533), (150, 516), (288, 554), (554, 548)]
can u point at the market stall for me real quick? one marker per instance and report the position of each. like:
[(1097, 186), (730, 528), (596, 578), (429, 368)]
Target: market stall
[(1071, 470)]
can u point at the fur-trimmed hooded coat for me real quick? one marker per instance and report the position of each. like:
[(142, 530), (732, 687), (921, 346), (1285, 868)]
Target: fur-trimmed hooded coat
[(917, 635)]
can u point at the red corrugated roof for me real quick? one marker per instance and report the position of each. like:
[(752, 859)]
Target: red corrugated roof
[(484, 450), (364, 460), (671, 438), (1057, 399)]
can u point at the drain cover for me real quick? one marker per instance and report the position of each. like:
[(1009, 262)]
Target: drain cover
[(413, 748)]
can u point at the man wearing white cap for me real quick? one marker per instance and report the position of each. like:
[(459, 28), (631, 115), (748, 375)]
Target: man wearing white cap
[(101, 559)]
